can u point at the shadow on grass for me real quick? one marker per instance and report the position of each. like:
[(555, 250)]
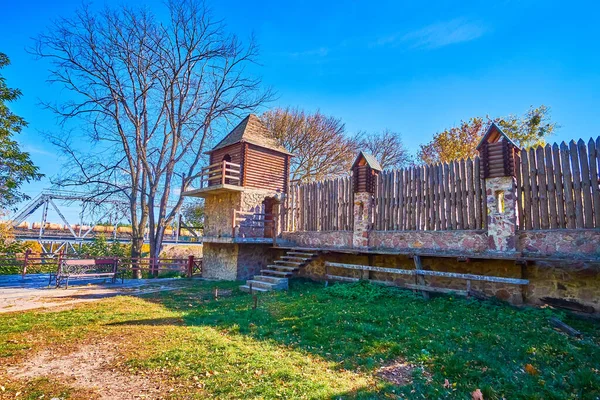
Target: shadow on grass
[(361, 327)]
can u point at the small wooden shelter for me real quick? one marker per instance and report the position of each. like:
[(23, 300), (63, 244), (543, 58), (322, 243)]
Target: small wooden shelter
[(499, 154), (248, 157), (364, 173)]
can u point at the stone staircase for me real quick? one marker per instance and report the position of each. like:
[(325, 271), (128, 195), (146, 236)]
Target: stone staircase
[(276, 276)]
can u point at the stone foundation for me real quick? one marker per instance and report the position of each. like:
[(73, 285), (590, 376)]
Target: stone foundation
[(233, 261), (465, 241), (573, 243), (218, 211), (334, 239)]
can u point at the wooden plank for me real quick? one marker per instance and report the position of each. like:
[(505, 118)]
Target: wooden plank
[(478, 194), (568, 185), (576, 176), (592, 156), (555, 322), (552, 212), (452, 187), (558, 182), (441, 197), (419, 198), (526, 190), (459, 196), (447, 198), (543, 187), (420, 278), (586, 187), (471, 194), (472, 277), (413, 186), (519, 181), (535, 201)]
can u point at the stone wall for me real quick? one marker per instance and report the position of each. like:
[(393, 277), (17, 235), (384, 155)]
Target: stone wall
[(464, 241), (334, 239), (574, 281), (218, 213), (220, 261), (233, 261), (560, 242)]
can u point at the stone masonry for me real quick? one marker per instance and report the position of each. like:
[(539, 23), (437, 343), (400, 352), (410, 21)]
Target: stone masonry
[(363, 210), (502, 215)]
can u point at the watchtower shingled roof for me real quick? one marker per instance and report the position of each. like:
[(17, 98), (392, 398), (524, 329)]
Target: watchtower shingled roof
[(250, 130)]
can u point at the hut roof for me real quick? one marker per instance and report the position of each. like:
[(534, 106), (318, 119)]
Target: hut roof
[(493, 135), (370, 160), (250, 130)]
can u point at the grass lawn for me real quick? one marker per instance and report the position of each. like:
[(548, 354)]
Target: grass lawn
[(311, 342)]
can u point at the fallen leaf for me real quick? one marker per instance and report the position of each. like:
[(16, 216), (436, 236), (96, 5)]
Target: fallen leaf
[(477, 395), (531, 370)]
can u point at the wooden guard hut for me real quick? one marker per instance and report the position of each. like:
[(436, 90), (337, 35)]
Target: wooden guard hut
[(248, 157), (364, 173), (499, 154)]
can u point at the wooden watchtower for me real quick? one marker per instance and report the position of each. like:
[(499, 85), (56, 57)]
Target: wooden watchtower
[(248, 157), (242, 187), (499, 154), (364, 173)]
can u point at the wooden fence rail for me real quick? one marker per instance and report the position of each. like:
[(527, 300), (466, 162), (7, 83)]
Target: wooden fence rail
[(558, 186), (431, 197)]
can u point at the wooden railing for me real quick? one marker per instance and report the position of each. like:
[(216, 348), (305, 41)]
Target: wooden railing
[(222, 173), (30, 263), (252, 220)]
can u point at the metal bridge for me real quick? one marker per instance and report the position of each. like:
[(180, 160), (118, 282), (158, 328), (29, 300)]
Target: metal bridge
[(54, 237)]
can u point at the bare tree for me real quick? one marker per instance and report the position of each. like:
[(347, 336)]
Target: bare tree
[(386, 147), (148, 96), (319, 143)]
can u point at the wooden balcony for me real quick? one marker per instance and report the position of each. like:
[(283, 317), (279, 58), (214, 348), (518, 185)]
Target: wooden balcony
[(216, 179)]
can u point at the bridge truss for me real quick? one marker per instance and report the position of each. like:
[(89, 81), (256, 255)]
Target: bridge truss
[(72, 236)]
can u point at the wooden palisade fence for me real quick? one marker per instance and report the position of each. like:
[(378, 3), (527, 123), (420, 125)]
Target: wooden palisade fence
[(431, 197), (320, 206), (558, 186)]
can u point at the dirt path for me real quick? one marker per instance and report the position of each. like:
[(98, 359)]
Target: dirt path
[(21, 295), (92, 367)]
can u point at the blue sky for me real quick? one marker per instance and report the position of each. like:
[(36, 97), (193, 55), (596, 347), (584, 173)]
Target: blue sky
[(412, 67)]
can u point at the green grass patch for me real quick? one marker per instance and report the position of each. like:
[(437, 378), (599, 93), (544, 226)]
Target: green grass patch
[(316, 342)]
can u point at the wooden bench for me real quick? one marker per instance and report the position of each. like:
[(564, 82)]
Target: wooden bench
[(86, 269)]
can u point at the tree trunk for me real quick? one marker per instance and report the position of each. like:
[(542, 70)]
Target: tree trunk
[(136, 254)]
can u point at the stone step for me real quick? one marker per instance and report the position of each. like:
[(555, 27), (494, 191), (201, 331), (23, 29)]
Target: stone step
[(274, 272), (296, 258), (288, 262), (283, 267), (270, 279), (260, 284), (265, 282), (246, 288), (300, 253)]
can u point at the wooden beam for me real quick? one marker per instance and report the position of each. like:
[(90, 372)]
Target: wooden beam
[(420, 278), (472, 277)]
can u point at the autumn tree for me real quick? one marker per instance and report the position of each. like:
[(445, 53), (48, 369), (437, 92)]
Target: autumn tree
[(386, 147), (146, 94), (16, 167), (528, 130), (319, 143)]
